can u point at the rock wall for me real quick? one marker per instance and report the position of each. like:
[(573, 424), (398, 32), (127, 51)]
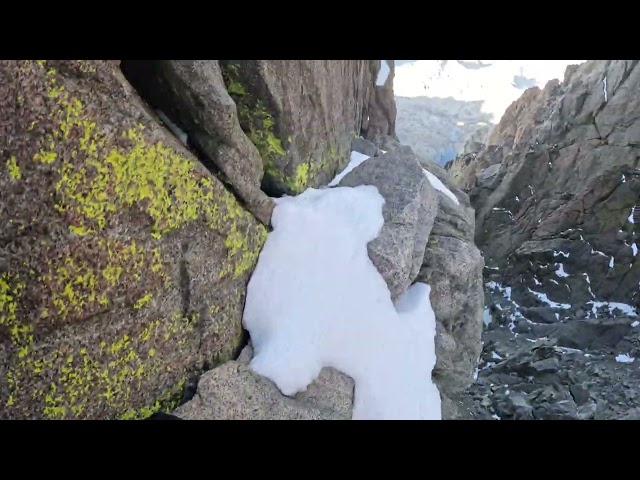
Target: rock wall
[(558, 184)]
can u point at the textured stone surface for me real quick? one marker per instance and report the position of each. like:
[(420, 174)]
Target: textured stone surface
[(123, 261), (382, 104), (568, 181), (193, 94), (233, 392), (409, 212), (301, 114), (452, 265)]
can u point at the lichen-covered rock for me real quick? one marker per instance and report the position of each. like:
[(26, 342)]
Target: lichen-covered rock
[(301, 114), (234, 392), (409, 211), (123, 261), (193, 93)]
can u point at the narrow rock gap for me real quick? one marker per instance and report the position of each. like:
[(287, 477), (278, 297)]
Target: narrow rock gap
[(140, 75)]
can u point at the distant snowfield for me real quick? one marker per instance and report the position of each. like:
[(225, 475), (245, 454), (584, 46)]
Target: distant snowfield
[(316, 299), (441, 103)]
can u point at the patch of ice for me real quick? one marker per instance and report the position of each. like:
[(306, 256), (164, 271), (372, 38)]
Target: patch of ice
[(560, 271), (316, 300), (383, 73), (438, 185), (611, 306), (624, 358), (356, 160), (543, 298), (486, 317), (177, 131)]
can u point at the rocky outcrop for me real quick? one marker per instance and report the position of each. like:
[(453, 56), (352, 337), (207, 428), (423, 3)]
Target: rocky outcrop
[(558, 212), (427, 237), (381, 114), (409, 212), (555, 189), (234, 392), (123, 260), (301, 114), (193, 94)]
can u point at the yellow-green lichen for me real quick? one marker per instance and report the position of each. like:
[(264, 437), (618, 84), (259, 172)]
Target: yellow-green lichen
[(14, 169), (98, 179), (152, 176)]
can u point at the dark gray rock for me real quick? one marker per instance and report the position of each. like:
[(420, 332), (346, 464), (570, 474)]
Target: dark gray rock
[(365, 147), (592, 334)]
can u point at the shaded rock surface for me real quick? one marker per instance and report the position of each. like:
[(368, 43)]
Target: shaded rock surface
[(380, 117), (234, 392), (193, 94), (302, 115), (123, 260)]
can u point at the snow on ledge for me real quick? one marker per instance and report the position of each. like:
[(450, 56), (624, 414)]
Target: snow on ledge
[(315, 299), (357, 158), (438, 185), (383, 73)]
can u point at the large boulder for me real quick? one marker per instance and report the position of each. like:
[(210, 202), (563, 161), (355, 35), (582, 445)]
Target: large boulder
[(234, 392), (453, 266), (123, 260), (409, 212), (302, 115), (193, 94)]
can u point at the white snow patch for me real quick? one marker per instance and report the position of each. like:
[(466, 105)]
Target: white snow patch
[(560, 271), (356, 160), (383, 73), (630, 217), (554, 281), (611, 306), (438, 185), (557, 254), (635, 324), (486, 317), (496, 417), (623, 178), (543, 298), (634, 247), (536, 281), (604, 88), (182, 136), (611, 262), (495, 356), (624, 358), (517, 199), (316, 300), (598, 252)]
